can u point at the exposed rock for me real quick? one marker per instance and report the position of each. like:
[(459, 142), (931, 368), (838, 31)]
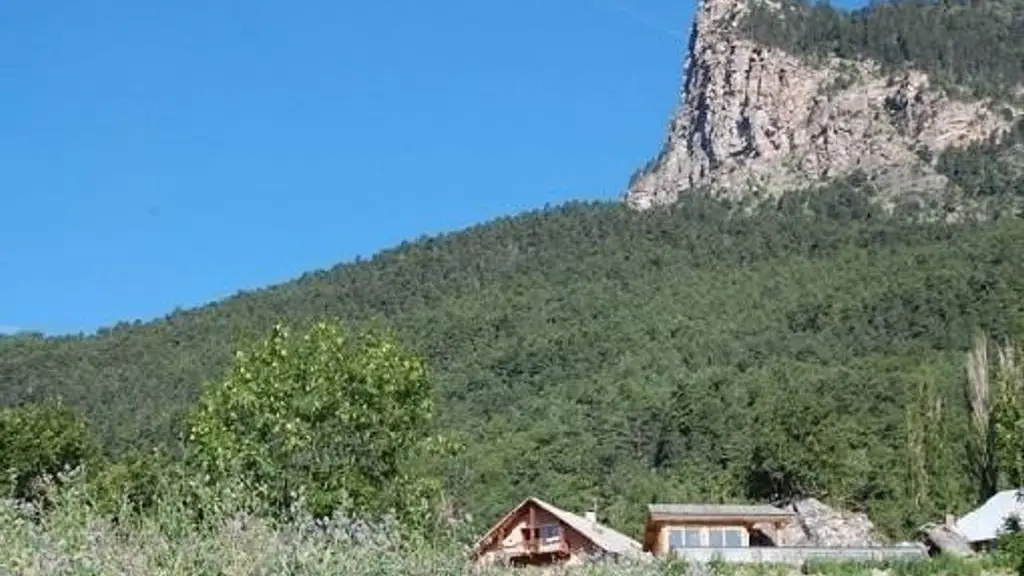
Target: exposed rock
[(751, 115), (945, 539), (820, 525)]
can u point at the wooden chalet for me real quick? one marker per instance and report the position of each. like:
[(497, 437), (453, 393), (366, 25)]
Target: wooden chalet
[(742, 533), (675, 527), (538, 533)]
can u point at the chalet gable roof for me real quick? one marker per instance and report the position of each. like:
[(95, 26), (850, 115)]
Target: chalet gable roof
[(603, 537)]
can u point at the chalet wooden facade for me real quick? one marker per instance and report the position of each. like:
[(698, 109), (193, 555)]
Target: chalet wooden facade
[(538, 533), (739, 533), (671, 528)]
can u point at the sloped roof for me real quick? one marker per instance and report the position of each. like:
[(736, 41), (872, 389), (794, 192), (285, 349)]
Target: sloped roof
[(987, 521), (605, 538), (705, 510), (602, 536)]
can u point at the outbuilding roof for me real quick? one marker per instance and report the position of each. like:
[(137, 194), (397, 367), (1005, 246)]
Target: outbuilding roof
[(987, 521), (711, 510)]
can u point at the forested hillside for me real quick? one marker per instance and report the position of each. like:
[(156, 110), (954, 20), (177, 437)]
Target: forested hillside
[(587, 351), (966, 45)]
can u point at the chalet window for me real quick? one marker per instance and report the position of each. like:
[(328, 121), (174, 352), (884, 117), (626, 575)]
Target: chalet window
[(684, 538), (550, 533), (725, 537), (675, 539)]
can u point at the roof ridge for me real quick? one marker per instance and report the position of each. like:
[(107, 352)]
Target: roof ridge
[(714, 509), (591, 529)]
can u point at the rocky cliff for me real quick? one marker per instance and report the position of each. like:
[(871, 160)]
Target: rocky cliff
[(755, 117)]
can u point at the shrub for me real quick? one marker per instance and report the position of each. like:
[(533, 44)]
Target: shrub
[(37, 443), (322, 416)]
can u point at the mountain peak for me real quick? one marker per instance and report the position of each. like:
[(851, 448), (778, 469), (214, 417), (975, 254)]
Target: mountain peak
[(754, 116)]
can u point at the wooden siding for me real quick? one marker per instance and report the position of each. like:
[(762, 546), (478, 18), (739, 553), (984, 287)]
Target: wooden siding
[(657, 532), (511, 544)]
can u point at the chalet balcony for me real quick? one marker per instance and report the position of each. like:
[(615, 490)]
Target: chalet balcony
[(541, 542), (536, 547)]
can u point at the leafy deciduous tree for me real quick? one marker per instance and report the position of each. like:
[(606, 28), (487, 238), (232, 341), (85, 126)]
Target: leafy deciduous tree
[(324, 415), (38, 442)]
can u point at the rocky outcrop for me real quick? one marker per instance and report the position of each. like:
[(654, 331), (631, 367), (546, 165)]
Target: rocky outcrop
[(754, 117), (945, 539), (817, 524)]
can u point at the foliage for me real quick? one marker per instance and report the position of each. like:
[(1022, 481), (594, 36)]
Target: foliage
[(943, 564), (982, 443), (584, 353), (38, 441), (806, 443), (325, 416), (930, 457), (974, 45), (1010, 544), (588, 353), (989, 168), (1009, 413), (74, 539), (135, 482)]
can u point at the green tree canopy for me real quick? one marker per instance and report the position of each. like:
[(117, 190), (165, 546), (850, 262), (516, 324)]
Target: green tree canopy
[(329, 416), (39, 442), (592, 352)]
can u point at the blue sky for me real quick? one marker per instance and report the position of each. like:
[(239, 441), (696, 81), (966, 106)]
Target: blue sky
[(164, 154)]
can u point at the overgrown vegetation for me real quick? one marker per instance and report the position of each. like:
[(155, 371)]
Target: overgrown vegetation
[(39, 441), (73, 540), (584, 353), (990, 168), (588, 352)]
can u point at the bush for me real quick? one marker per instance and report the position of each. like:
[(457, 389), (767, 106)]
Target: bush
[(136, 483), (322, 417), (1010, 546), (37, 443)]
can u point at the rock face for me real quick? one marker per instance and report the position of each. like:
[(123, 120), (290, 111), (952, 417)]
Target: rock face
[(945, 538), (820, 525), (754, 116)]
